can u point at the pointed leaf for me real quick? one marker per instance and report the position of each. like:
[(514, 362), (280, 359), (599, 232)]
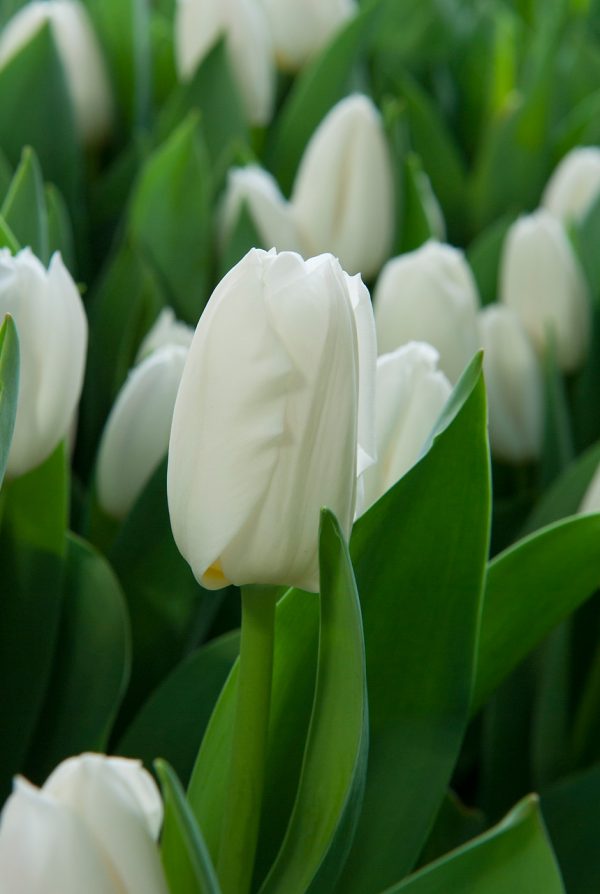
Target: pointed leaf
[(24, 208)]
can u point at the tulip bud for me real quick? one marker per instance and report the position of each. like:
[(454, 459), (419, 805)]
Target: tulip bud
[(541, 279), (92, 827), (429, 295), (574, 185), (270, 212), (410, 394), (166, 331), (514, 386), (591, 498), (81, 56), (52, 328), (343, 196), (199, 24), (301, 29), (265, 425), (136, 436)]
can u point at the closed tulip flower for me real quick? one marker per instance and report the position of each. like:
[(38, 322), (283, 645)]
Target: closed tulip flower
[(410, 394), (574, 185), (167, 331), (429, 295), (541, 279), (199, 24), (91, 828), (81, 56), (265, 424), (343, 195), (52, 327), (514, 386), (301, 29), (271, 214)]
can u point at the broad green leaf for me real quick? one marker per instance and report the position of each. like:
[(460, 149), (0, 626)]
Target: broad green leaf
[(321, 84), (169, 219), (420, 555), (516, 855), (417, 225), (39, 118), (454, 825), (91, 665), (172, 721), (331, 783), (60, 230), (9, 387), (24, 208), (7, 237), (571, 809), (484, 255), (185, 857), (529, 589)]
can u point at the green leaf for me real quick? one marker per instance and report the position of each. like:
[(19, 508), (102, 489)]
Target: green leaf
[(585, 236), (420, 555), (586, 426), (454, 825), (329, 795), (185, 857), (6, 175), (529, 589), (173, 719), (244, 236), (484, 255), (91, 666), (7, 237), (9, 387), (320, 85), (60, 230), (169, 219), (558, 449), (516, 855), (417, 225), (24, 208)]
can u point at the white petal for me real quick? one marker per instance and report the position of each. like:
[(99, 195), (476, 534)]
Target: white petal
[(167, 330), (574, 185), (367, 363)]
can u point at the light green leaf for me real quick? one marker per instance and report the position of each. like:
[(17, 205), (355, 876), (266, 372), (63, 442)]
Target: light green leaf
[(24, 208), (60, 230), (484, 255), (9, 387), (417, 226)]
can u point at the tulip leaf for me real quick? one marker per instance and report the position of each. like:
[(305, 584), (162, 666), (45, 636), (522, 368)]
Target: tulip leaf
[(530, 588), (186, 860), (417, 226), (24, 208), (173, 719), (91, 665), (331, 783), (515, 855), (6, 175), (558, 449), (40, 118), (169, 219), (454, 825), (9, 387), (420, 554), (244, 236), (484, 255), (8, 238), (321, 84), (571, 809), (60, 230), (585, 237)]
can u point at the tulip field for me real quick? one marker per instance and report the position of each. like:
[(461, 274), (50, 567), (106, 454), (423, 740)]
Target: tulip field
[(299, 447)]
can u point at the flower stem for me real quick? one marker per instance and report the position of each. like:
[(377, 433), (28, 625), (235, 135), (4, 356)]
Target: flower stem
[(243, 798)]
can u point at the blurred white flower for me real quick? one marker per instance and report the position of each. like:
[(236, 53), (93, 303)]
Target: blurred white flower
[(514, 385), (199, 24), (81, 56), (574, 185), (591, 498), (301, 29), (541, 279), (429, 295), (343, 195), (166, 330)]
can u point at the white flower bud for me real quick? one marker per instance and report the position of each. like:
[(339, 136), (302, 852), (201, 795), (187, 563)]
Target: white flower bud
[(52, 328), (199, 24), (167, 330), (574, 185), (410, 394), (429, 295), (80, 53), (541, 279), (515, 391), (270, 212), (301, 29), (591, 498), (92, 827), (265, 427), (343, 196)]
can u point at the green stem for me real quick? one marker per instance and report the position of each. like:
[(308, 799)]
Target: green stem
[(250, 728)]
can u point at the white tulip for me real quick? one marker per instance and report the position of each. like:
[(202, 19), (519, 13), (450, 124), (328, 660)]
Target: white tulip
[(429, 295), (270, 212), (92, 827), (574, 185), (301, 29), (166, 330), (136, 435), (265, 424), (515, 391), (199, 24), (343, 195), (81, 56), (541, 279), (410, 394), (52, 328), (591, 498)]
